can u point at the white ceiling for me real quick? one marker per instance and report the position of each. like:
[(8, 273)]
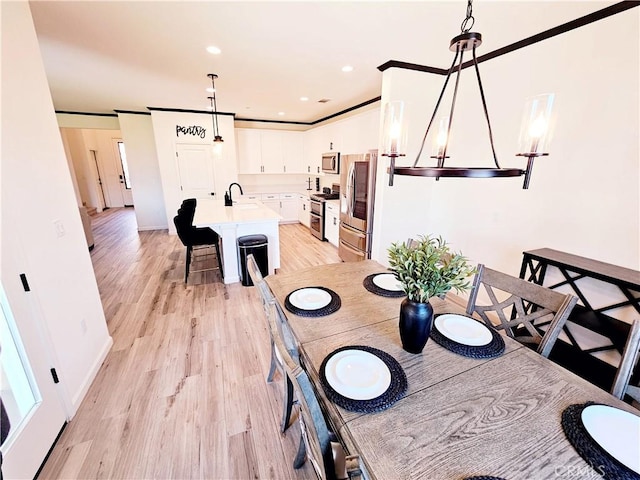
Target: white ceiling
[(102, 56)]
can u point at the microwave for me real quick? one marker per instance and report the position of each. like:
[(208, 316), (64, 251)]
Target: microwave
[(331, 162)]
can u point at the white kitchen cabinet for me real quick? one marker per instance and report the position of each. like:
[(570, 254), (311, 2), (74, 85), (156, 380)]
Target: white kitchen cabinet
[(360, 132), (269, 151), (332, 138), (313, 150), (289, 207), (293, 152), (271, 200), (303, 210), (332, 222), (284, 204), (249, 153)]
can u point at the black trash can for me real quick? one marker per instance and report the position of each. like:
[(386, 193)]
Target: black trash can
[(258, 246)]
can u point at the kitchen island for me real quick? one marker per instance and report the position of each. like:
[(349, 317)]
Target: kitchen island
[(245, 217)]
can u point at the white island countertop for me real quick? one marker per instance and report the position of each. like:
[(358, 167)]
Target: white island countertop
[(210, 211), (245, 217)]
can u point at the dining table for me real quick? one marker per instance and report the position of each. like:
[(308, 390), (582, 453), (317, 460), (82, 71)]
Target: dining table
[(460, 416)]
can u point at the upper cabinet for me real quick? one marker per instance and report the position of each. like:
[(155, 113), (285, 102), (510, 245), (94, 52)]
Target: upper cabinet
[(249, 151), (312, 163), (293, 152), (263, 151), (361, 132), (269, 151)]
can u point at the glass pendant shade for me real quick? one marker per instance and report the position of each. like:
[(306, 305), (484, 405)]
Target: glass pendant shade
[(536, 125), (394, 129), (442, 138)]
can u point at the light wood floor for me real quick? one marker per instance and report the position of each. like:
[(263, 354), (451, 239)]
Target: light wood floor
[(182, 394)]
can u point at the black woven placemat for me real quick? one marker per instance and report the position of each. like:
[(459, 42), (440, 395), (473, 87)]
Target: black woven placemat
[(603, 463), (483, 477), (493, 349), (333, 306), (395, 392), (373, 288)]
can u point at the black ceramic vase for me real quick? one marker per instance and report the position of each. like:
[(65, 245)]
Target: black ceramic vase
[(416, 320)]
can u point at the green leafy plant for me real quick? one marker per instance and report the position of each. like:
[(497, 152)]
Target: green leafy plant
[(428, 268)]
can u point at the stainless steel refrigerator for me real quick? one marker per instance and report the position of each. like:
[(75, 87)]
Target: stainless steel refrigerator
[(357, 192)]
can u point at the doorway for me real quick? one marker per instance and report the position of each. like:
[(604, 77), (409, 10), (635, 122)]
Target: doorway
[(123, 172), (35, 411), (99, 179), (195, 170)]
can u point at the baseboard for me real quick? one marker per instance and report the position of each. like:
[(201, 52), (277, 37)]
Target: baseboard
[(153, 227), (90, 377)]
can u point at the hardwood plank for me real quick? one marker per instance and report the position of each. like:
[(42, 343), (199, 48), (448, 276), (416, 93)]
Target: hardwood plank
[(182, 393)]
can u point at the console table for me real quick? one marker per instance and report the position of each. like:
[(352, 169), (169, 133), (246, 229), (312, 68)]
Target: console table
[(603, 333)]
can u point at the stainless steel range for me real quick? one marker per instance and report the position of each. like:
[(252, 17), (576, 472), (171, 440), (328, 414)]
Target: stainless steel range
[(316, 202)]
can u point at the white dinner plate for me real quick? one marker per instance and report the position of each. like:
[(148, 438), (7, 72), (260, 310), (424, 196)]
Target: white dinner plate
[(463, 330), (310, 298), (616, 431), (387, 281), (357, 374)]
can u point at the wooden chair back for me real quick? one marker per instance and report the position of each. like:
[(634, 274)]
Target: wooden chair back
[(528, 309), (622, 383), (258, 280), (317, 443)]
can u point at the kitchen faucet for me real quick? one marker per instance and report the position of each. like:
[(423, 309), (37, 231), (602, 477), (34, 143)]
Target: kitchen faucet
[(228, 201)]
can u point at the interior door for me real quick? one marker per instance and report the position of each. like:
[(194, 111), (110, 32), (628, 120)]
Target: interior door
[(195, 170), (123, 171), (36, 414)]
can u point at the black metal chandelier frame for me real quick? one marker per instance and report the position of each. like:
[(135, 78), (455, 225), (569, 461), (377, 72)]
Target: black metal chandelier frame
[(461, 43)]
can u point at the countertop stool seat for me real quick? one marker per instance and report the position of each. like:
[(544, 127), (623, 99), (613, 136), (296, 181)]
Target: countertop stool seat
[(196, 239)]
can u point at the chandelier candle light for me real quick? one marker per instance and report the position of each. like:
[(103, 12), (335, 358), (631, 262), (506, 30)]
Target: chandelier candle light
[(534, 133), (217, 139)]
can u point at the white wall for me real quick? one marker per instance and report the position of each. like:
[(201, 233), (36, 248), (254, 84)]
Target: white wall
[(583, 199), (79, 157), (37, 191), (148, 198), (80, 120), (166, 139)]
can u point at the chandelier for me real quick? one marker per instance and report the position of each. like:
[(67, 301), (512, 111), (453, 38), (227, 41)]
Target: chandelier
[(534, 134), (217, 139)]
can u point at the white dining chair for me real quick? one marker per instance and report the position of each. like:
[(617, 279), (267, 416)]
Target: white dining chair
[(527, 310), (622, 383)]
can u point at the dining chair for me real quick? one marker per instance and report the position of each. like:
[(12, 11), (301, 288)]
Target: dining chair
[(622, 383), (268, 300), (195, 238), (317, 443), (530, 313)]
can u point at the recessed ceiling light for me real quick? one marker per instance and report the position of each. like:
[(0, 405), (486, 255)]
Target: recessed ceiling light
[(304, 99), (347, 68), (214, 50), (280, 113), (210, 89)]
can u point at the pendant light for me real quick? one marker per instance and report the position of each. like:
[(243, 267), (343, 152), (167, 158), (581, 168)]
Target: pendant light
[(217, 139), (534, 137)]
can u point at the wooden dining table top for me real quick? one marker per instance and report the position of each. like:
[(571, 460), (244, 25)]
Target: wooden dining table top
[(460, 416)]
